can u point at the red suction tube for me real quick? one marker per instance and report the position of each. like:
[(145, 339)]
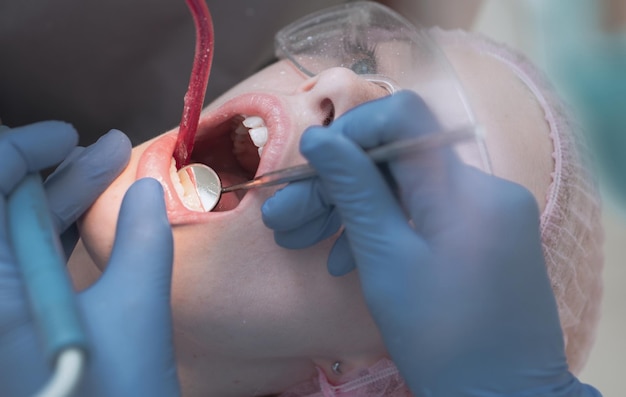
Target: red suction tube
[(194, 98)]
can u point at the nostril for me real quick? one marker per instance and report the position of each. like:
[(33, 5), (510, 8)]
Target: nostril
[(328, 109)]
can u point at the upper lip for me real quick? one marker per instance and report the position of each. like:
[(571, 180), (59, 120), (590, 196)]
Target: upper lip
[(271, 108)]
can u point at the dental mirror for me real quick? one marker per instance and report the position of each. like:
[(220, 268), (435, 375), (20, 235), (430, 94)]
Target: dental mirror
[(205, 182), (206, 185)]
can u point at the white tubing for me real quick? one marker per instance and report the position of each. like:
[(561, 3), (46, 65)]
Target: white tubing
[(69, 369)]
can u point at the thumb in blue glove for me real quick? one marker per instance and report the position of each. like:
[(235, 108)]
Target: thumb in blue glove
[(128, 310), (449, 259), (82, 176)]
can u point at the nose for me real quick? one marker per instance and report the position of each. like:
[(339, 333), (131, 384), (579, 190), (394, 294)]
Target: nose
[(337, 90)]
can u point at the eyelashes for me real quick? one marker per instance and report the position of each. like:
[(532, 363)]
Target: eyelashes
[(362, 56)]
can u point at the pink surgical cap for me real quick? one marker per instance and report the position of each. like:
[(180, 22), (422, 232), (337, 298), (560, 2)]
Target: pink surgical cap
[(571, 229)]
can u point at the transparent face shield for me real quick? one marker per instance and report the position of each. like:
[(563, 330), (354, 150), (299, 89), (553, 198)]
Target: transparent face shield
[(382, 47)]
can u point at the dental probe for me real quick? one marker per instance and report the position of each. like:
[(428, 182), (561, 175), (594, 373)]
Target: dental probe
[(208, 186), (379, 154)]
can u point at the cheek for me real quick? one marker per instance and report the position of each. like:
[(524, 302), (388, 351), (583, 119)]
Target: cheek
[(279, 78), (229, 275), (222, 262)]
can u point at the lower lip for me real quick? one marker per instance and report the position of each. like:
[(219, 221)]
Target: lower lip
[(155, 162)]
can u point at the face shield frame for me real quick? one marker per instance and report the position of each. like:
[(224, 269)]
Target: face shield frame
[(382, 47)]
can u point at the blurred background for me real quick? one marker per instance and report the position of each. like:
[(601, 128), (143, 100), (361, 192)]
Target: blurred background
[(583, 48)]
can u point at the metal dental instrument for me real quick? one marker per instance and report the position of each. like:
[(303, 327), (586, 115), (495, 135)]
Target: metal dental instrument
[(209, 188), (378, 154)]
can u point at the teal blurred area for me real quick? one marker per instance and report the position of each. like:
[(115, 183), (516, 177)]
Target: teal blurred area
[(587, 60)]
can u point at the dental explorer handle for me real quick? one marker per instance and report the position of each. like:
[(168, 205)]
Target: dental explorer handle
[(379, 154)]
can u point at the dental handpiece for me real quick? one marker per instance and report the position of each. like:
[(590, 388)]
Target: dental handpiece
[(52, 300), (379, 154), (208, 185)]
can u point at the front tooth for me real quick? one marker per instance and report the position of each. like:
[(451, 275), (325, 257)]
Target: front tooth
[(259, 136), (253, 122)]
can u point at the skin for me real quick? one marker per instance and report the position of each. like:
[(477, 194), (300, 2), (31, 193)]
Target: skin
[(252, 318)]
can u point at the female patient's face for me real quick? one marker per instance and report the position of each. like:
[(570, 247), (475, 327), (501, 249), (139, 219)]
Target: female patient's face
[(235, 292), (242, 304)]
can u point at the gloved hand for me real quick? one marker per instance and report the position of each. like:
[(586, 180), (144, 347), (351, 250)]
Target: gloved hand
[(460, 293), (82, 176), (127, 312)]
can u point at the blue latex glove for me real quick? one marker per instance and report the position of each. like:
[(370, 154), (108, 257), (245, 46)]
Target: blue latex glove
[(80, 178), (127, 312), (462, 298)]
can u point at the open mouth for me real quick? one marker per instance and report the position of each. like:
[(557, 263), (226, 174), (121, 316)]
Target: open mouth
[(232, 149), (230, 140)]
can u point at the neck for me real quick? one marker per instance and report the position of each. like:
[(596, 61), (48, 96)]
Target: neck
[(209, 374)]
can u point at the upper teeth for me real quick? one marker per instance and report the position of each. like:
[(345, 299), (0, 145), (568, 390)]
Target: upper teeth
[(255, 127)]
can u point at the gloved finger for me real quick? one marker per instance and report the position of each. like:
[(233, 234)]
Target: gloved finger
[(141, 260), (422, 179), (74, 154), (311, 232), (294, 205), (374, 222), (341, 259), (84, 175), (400, 116), (32, 148), (128, 309), (6, 254), (300, 215)]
